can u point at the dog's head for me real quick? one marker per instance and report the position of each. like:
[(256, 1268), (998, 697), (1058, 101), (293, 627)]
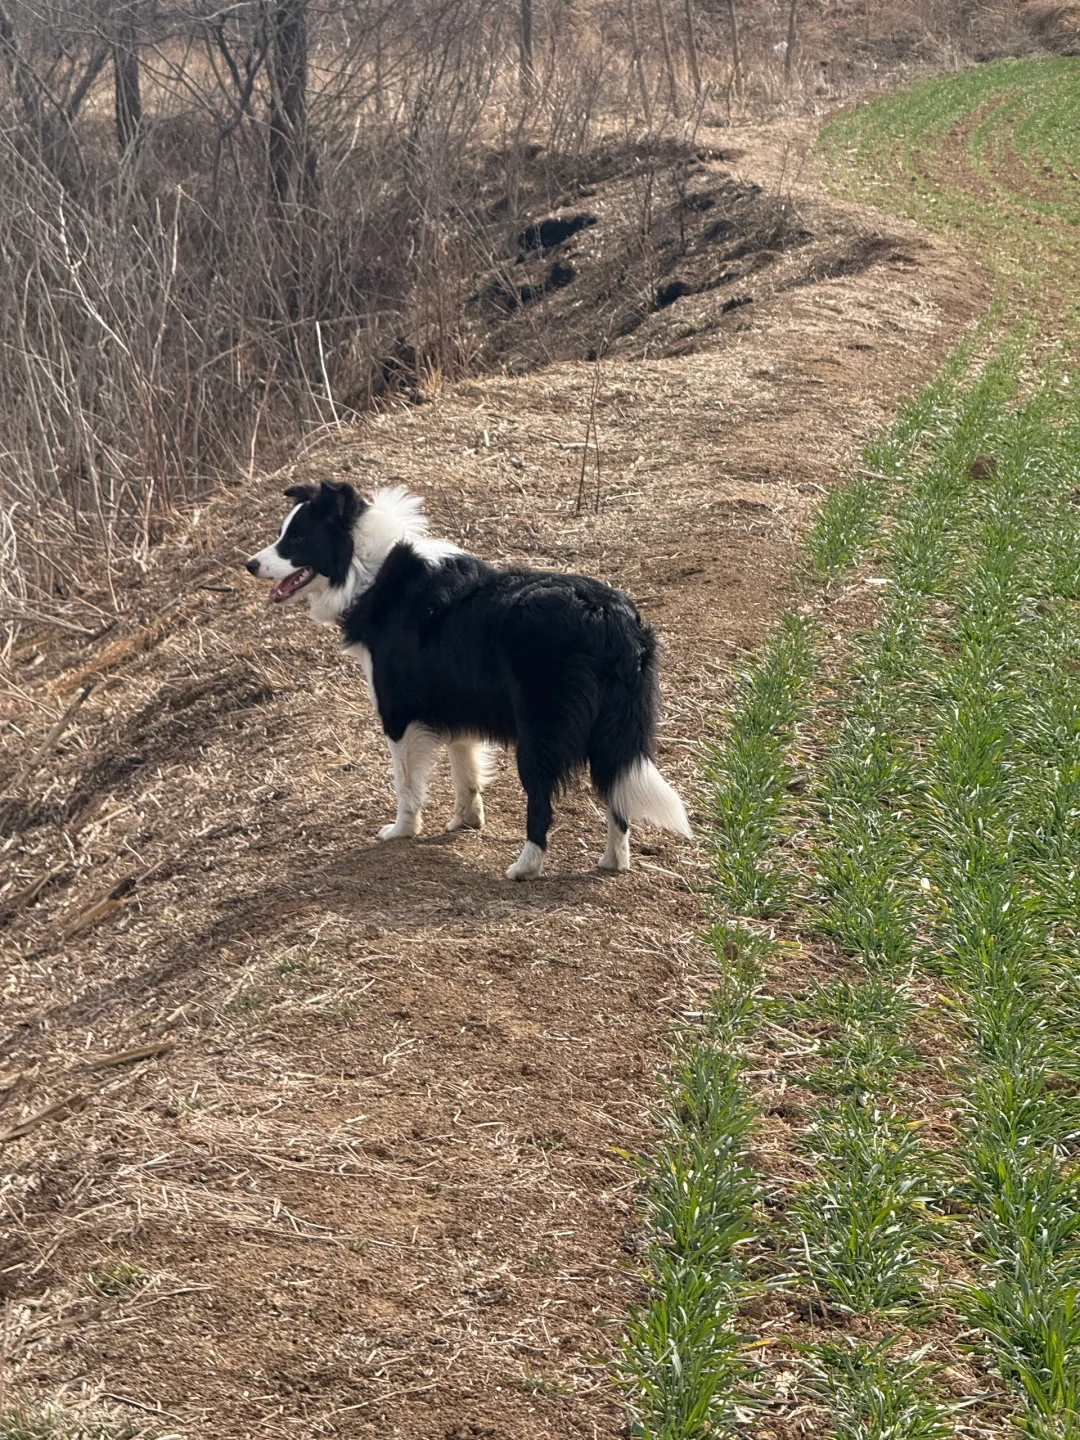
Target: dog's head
[(315, 547)]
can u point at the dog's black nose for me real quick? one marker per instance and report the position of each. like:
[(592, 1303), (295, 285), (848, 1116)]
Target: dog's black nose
[(252, 565)]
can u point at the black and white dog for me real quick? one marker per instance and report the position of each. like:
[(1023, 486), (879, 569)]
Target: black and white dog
[(559, 665)]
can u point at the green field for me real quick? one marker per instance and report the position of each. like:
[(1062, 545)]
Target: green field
[(990, 157), (895, 803)]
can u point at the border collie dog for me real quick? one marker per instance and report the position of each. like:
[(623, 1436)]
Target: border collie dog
[(559, 666)]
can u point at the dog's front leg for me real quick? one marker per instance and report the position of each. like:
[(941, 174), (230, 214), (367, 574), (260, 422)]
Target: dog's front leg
[(412, 756)]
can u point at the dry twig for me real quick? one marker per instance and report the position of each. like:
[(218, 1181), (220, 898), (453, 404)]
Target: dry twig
[(58, 1110), (51, 739)]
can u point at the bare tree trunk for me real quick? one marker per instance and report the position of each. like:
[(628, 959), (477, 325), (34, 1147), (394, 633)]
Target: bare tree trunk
[(736, 51), (528, 69), (129, 117), (380, 96), (669, 58), (94, 67), (691, 46), (736, 56), (292, 181), (639, 63), (28, 88), (789, 53), (292, 162)]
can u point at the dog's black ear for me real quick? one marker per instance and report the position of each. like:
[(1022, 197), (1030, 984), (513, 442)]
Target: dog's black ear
[(300, 493), (340, 500)]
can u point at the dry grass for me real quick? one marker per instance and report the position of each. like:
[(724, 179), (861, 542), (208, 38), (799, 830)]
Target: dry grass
[(1056, 23)]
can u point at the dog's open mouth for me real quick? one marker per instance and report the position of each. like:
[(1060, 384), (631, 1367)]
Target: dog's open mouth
[(291, 584)]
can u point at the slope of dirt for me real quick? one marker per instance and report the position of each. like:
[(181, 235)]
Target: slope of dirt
[(376, 1185)]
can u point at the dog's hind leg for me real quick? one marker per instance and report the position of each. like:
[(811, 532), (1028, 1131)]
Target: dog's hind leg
[(539, 786), (468, 772), (616, 856), (413, 756)]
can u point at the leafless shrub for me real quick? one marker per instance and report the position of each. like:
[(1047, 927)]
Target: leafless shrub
[(223, 227), (1055, 23), (238, 247)]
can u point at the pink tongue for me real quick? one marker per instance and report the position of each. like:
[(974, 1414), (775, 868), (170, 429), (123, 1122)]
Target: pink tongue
[(289, 586)]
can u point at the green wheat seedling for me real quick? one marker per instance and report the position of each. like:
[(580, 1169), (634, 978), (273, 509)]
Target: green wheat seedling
[(867, 1051), (850, 517), (1030, 1319), (682, 1359), (861, 1062), (863, 1224), (900, 806), (961, 752), (118, 1278), (1025, 1210), (999, 792), (748, 773), (939, 834), (846, 524), (873, 1004), (861, 1033), (873, 1394), (865, 870)]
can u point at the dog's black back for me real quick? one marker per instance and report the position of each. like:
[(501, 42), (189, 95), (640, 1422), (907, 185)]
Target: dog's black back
[(559, 665)]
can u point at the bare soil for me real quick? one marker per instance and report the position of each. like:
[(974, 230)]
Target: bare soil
[(379, 1185)]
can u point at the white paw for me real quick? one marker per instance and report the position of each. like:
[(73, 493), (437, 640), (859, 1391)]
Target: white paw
[(617, 864), (471, 818), (400, 830), (529, 863), (616, 856)]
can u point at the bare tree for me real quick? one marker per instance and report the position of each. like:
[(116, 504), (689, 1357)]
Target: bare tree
[(243, 56), (292, 160), (736, 56), (85, 83), (692, 48), (43, 123), (127, 90), (155, 336), (669, 59), (639, 62), (789, 53), (528, 70)]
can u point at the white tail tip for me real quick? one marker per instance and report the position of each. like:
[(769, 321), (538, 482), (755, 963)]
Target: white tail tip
[(642, 794)]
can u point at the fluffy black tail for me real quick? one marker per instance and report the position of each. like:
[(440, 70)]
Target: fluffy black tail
[(623, 740)]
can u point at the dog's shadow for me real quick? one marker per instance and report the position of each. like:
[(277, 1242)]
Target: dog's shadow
[(435, 875), (400, 884)]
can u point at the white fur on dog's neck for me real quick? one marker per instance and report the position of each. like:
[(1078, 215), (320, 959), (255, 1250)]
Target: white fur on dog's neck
[(394, 517)]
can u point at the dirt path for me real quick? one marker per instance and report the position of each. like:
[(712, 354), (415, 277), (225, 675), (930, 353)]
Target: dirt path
[(376, 1187)]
